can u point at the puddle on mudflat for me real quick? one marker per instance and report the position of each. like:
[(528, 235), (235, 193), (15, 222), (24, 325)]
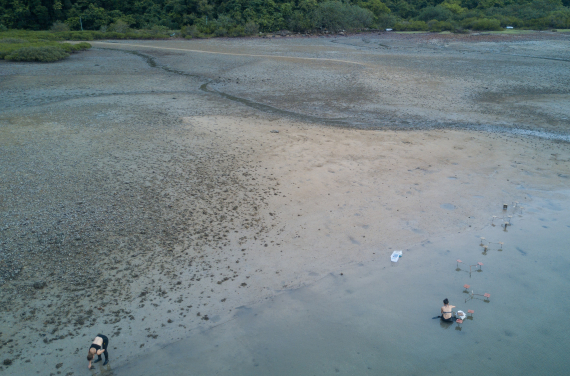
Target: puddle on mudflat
[(376, 319)]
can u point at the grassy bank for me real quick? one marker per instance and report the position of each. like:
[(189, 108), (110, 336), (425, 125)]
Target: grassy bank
[(28, 48), (86, 35), (49, 46)]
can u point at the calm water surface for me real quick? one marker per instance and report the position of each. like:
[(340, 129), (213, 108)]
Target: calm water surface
[(377, 318)]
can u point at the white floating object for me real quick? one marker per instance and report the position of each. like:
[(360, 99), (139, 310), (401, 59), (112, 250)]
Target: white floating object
[(395, 256), (509, 27), (461, 315), (388, 29)]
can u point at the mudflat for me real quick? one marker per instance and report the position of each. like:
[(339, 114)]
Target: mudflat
[(150, 188)]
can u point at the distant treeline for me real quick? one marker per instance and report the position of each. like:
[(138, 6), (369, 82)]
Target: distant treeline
[(245, 17)]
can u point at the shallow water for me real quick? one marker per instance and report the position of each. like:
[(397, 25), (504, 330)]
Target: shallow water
[(376, 318)]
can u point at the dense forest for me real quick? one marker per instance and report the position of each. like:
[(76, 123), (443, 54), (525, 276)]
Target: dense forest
[(246, 17)]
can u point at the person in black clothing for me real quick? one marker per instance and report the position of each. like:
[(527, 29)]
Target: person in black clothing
[(447, 311), (99, 346)]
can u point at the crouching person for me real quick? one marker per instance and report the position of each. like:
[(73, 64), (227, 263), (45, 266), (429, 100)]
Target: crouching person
[(99, 346)]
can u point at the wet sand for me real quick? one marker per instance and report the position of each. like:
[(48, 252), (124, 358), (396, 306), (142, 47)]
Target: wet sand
[(148, 196), (376, 317)]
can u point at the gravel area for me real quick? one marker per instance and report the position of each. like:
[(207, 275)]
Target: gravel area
[(148, 182), (104, 194)]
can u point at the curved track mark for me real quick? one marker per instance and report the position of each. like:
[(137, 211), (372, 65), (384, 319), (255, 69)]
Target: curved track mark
[(274, 110), (258, 106)]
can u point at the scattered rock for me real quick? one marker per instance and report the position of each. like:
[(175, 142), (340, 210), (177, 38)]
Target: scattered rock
[(39, 285)]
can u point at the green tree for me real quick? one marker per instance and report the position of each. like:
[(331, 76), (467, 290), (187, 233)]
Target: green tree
[(377, 7), (270, 15), (454, 6), (336, 15)]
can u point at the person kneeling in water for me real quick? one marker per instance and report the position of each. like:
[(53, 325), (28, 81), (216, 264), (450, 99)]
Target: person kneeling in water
[(99, 346), (447, 311)]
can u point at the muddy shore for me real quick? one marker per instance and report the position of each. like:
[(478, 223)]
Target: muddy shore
[(149, 188)]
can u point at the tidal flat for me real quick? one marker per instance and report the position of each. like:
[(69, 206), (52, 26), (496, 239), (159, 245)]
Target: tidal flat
[(229, 206)]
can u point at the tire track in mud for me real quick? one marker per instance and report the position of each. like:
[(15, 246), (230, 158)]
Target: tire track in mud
[(204, 87), (256, 105), (338, 122), (341, 122), (275, 110)]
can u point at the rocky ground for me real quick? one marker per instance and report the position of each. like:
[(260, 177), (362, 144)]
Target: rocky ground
[(396, 81), (100, 203), (151, 191)]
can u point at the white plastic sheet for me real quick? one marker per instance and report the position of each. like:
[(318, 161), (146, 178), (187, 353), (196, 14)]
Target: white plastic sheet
[(395, 256)]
